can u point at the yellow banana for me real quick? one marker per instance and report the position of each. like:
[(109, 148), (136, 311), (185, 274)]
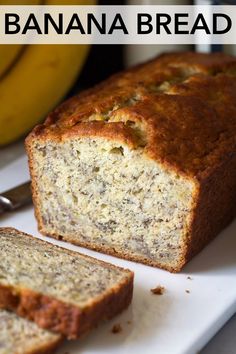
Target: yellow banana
[(9, 53), (36, 83)]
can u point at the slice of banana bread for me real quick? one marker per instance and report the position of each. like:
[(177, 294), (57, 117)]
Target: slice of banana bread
[(20, 336), (143, 166), (60, 290)]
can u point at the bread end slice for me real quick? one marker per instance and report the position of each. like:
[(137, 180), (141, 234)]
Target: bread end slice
[(60, 290), (20, 336)]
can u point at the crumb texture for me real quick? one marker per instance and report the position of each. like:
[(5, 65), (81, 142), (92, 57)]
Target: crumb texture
[(142, 166), (107, 195), (158, 290), (20, 336), (28, 263), (116, 328)]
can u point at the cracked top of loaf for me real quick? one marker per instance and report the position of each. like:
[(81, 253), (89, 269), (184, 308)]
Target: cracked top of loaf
[(180, 108)]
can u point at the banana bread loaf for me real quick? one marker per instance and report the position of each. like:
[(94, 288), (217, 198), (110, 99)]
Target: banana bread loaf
[(20, 336), (143, 166), (60, 290)]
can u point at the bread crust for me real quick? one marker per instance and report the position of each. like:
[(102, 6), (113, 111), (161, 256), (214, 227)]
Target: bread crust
[(185, 109), (64, 318), (215, 206), (189, 128), (123, 254)]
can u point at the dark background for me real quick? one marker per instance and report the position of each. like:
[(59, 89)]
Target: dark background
[(103, 60)]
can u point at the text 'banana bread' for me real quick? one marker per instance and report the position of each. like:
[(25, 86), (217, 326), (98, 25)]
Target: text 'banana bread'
[(60, 290), (143, 166), (20, 336)]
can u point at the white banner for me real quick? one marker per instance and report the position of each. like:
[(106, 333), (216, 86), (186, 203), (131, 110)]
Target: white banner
[(118, 24)]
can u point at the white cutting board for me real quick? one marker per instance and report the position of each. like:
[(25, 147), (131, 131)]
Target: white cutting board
[(176, 322)]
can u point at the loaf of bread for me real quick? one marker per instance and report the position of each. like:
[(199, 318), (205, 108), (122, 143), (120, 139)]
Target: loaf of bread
[(20, 336), (143, 166), (60, 290)]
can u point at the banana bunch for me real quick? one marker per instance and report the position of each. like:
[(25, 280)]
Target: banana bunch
[(35, 78)]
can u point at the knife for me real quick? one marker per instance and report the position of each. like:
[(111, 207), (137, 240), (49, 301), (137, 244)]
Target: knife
[(15, 198)]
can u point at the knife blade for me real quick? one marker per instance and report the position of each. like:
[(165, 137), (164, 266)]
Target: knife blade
[(15, 198)]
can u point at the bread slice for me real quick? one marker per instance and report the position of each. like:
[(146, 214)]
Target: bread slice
[(142, 166), (20, 336), (60, 290)]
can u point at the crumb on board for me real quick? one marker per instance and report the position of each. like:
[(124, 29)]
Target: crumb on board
[(116, 328), (189, 278), (129, 322), (158, 290), (187, 291)]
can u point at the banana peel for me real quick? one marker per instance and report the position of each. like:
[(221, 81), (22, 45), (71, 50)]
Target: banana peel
[(9, 53), (36, 82)]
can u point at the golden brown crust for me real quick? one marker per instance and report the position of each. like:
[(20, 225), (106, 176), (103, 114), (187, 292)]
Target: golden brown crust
[(185, 106), (215, 206), (67, 319), (124, 254)]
